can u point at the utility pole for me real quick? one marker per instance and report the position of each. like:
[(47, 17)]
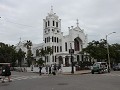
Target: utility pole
[(108, 53), (71, 52)]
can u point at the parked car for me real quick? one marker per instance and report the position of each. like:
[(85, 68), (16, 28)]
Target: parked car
[(99, 67), (116, 67)]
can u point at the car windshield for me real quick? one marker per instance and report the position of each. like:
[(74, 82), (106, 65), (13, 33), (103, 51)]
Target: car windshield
[(96, 64)]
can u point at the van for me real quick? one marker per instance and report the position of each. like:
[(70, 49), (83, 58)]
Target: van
[(99, 67)]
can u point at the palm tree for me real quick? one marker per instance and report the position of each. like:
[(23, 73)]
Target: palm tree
[(49, 50), (28, 44), (29, 58)]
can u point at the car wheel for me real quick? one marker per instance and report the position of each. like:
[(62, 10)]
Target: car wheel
[(99, 72), (92, 72)]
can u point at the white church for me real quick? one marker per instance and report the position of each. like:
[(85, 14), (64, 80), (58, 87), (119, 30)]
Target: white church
[(60, 44)]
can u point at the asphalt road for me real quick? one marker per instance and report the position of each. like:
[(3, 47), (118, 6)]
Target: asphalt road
[(32, 81)]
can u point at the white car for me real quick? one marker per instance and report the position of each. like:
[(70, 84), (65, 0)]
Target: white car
[(99, 67)]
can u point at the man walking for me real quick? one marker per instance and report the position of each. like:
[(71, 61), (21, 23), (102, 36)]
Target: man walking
[(40, 68)]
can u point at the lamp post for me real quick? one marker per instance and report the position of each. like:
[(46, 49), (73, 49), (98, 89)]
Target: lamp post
[(71, 51), (109, 66)]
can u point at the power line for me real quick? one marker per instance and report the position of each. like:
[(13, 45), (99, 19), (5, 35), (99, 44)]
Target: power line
[(18, 23)]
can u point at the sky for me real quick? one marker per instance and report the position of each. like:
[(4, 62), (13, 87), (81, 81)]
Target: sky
[(23, 19)]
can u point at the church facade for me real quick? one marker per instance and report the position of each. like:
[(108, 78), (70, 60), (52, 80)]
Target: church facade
[(53, 37), (61, 44)]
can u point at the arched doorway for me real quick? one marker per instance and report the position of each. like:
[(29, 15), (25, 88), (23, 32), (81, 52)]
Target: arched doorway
[(67, 61), (60, 60), (77, 43)]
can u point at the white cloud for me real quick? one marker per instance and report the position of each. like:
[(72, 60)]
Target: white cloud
[(24, 18)]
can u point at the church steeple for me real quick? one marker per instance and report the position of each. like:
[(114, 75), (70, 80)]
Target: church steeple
[(52, 23)]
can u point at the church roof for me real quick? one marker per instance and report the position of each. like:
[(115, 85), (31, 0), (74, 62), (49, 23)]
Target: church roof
[(77, 27)]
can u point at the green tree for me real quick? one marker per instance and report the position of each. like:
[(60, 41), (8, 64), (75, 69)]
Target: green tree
[(115, 53), (40, 61), (97, 50), (8, 54), (20, 56)]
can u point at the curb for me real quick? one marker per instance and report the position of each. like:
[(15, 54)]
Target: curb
[(76, 73)]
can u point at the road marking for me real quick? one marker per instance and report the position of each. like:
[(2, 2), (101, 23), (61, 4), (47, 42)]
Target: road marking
[(16, 77), (111, 74)]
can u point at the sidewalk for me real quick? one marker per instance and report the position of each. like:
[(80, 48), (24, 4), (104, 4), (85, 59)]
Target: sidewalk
[(77, 72)]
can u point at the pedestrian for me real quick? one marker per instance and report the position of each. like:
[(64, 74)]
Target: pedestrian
[(49, 69), (54, 69), (31, 67), (46, 68), (6, 73), (40, 69)]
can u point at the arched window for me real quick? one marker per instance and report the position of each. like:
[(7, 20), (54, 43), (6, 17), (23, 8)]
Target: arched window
[(45, 24), (57, 39), (65, 46), (57, 49), (47, 59), (53, 23), (76, 44), (56, 24), (52, 58), (48, 23), (55, 58), (52, 38), (60, 48), (45, 40), (53, 48), (49, 39)]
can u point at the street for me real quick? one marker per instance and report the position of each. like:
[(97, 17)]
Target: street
[(32, 81)]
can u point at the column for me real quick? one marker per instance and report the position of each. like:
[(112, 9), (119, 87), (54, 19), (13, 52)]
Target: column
[(63, 61)]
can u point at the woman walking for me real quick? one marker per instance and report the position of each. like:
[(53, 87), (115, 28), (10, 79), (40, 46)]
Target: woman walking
[(6, 73)]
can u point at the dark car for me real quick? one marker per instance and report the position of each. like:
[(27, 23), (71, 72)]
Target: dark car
[(116, 67)]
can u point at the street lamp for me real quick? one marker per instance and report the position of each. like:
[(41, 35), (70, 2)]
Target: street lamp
[(109, 66), (71, 52)]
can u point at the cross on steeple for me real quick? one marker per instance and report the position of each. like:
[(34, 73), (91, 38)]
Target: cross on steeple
[(77, 23), (20, 39), (51, 8), (51, 12)]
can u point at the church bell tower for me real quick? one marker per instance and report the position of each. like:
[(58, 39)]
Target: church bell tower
[(51, 33)]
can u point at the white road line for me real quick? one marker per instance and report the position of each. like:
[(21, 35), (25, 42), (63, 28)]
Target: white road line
[(15, 77), (111, 74)]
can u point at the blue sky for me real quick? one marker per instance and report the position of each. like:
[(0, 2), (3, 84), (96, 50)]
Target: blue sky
[(24, 18)]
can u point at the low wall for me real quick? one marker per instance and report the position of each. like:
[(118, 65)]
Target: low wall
[(36, 69), (67, 69)]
